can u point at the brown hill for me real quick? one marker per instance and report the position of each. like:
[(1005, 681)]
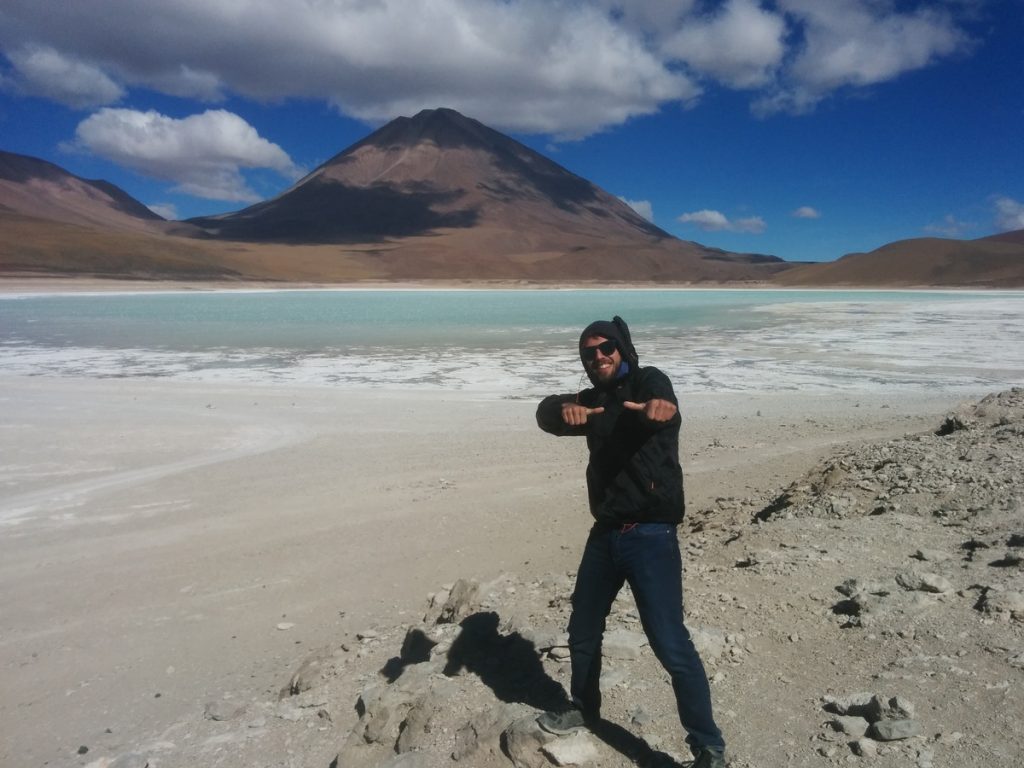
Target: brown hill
[(990, 262), (39, 189)]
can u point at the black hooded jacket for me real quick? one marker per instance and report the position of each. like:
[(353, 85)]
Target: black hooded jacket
[(634, 474)]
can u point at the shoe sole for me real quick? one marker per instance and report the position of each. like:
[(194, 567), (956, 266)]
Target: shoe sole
[(560, 731)]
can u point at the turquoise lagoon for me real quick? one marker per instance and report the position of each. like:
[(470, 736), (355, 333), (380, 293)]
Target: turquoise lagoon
[(518, 343)]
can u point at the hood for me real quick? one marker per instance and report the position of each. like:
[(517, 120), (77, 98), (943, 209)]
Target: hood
[(617, 330)]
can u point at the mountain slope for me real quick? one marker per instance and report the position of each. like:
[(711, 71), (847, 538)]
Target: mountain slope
[(990, 262), (39, 189), (435, 171)]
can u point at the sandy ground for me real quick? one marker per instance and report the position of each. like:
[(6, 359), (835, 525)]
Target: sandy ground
[(155, 535)]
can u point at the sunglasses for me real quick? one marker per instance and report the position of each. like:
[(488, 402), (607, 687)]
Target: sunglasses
[(589, 354)]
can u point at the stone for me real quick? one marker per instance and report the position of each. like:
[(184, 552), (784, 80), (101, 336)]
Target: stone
[(895, 708), (222, 710), (460, 602), (576, 749), (923, 582), (308, 674), (1008, 604), (851, 704), (623, 644), (523, 740), (894, 730), (932, 555), (854, 727), (864, 747), (483, 731), (710, 643)]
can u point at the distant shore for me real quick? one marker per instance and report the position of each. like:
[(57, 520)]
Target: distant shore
[(86, 285)]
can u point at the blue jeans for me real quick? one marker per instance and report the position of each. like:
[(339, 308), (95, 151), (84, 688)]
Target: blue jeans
[(647, 556)]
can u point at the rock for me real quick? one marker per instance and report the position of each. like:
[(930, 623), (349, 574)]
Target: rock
[(460, 602), (894, 730), (851, 704), (1007, 604), (855, 727), (285, 625), (895, 708), (222, 710), (306, 676), (483, 732), (522, 742), (932, 555), (623, 644), (710, 643), (854, 587), (864, 747), (576, 749), (923, 582)]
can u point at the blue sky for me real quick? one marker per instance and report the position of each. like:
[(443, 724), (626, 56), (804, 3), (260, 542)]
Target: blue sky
[(806, 129)]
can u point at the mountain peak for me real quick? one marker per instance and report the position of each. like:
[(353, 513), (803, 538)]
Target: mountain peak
[(438, 170), (443, 127)]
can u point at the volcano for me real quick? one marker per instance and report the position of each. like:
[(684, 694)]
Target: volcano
[(433, 172)]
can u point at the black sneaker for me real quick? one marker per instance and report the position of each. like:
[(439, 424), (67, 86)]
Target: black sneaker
[(563, 721), (708, 757)]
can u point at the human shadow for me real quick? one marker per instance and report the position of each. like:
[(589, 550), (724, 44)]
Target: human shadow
[(631, 746), (415, 649), (507, 664), (510, 666)]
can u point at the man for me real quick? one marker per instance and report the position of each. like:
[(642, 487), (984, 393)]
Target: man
[(631, 420)]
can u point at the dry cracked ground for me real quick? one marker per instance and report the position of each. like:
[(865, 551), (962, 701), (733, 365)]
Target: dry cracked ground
[(871, 613)]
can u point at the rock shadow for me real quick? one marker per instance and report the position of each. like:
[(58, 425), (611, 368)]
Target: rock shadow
[(507, 664)]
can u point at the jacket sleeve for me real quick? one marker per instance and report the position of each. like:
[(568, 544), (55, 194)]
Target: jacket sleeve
[(654, 384), (549, 416)]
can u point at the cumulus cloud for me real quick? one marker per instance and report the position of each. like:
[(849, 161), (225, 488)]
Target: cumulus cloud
[(43, 71), (806, 212), (741, 46), (643, 207), (203, 154), (716, 221), (1009, 214), (567, 68), (857, 43)]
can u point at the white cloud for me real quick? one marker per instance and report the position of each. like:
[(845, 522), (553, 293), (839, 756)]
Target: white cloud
[(716, 221), (203, 154), (568, 68), (741, 46), (643, 207), (806, 212), (1009, 214), (950, 226), (857, 43), (52, 75), (167, 210)]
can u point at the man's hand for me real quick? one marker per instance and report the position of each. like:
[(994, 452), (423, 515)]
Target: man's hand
[(653, 410), (575, 415)]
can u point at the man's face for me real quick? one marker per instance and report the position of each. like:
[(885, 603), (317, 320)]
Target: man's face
[(602, 363)]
